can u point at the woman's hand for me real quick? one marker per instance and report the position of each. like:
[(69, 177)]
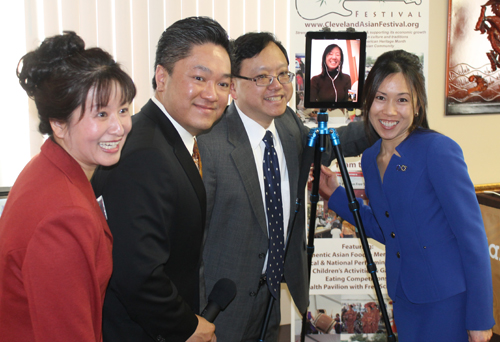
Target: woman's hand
[(479, 335)]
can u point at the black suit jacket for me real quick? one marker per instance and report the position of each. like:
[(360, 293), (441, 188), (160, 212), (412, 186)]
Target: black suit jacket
[(156, 203)]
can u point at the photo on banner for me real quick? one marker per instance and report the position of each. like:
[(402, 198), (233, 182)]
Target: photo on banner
[(337, 318)]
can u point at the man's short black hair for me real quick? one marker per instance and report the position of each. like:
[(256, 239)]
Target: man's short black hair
[(250, 45), (179, 38)]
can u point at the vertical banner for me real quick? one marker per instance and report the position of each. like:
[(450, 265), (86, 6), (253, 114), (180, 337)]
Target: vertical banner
[(389, 24), (343, 303)]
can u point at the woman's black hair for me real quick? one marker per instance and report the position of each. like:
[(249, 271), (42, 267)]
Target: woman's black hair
[(60, 73), (393, 62)]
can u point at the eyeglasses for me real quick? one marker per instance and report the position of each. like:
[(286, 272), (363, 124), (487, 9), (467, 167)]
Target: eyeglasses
[(265, 80)]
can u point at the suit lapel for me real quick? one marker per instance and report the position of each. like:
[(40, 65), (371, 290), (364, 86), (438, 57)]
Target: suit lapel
[(168, 130), (242, 156), (292, 159)]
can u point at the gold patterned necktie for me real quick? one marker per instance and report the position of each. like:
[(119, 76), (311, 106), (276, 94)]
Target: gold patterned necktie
[(196, 157)]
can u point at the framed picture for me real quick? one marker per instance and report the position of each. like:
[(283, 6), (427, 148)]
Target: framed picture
[(473, 57)]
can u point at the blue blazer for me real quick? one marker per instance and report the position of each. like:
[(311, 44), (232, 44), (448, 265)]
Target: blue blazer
[(427, 215)]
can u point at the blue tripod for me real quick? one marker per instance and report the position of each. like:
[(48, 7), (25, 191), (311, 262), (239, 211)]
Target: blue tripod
[(318, 139)]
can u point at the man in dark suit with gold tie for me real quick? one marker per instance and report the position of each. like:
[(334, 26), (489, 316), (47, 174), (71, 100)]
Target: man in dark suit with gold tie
[(154, 197)]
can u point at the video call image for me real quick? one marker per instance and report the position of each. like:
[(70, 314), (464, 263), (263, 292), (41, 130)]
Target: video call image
[(334, 70)]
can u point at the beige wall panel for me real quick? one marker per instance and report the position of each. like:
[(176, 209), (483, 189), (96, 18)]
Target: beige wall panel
[(206, 7), (189, 8), (157, 19), (236, 20), (105, 30), (221, 13), (31, 25), (69, 15), (140, 50), (281, 22), (267, 16), (172, 12), (35, 138), (123, 36), (51, 18), (251, 16), (88, 22)]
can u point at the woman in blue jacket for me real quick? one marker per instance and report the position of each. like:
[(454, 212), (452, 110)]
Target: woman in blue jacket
[(424, 209)]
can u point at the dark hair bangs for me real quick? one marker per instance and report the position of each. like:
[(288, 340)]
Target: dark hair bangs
[(104, 87)]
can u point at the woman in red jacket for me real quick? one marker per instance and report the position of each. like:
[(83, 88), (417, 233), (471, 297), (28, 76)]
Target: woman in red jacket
[(55, 245)]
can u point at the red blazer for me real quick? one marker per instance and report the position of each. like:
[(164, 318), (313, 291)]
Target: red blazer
[(55, 253)]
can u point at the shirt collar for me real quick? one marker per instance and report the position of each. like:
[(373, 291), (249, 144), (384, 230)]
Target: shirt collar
[(187, 138), (254, 130)]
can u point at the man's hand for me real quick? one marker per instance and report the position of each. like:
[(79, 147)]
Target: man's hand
[(479, 335), (328, 182), (205, 331)]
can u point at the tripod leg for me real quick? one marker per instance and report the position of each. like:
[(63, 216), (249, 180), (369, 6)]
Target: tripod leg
[(354, 207), (263, 331), (314, 198)]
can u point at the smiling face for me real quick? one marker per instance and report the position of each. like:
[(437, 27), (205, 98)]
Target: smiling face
[(392, 111), (333, 58), (195, 94), (97, 137), (262, 104)]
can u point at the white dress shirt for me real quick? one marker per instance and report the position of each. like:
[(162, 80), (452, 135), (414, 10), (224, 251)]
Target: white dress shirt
[(255, 134), (187, 138)]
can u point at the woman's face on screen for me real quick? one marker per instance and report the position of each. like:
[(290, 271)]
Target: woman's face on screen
[(333, 58)]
